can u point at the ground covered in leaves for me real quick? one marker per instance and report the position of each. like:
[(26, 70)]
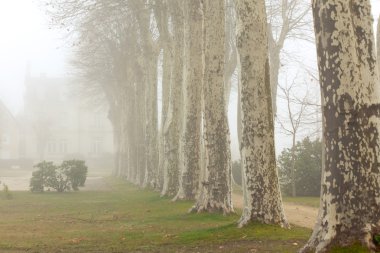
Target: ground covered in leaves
[(128, 219)]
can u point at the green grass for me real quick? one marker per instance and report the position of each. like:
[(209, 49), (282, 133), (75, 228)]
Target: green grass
[(305, 201), (353, 249), (128, 219)]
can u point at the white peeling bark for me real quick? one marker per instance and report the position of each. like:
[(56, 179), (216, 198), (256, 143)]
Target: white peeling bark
[(151, 121), (173, 122), (193, 75), (264, 202), (140, 112), (161, 14), (378, 45), (350, 199), (216, 189)]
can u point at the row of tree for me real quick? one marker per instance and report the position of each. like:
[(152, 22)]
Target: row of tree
[(123, 46)]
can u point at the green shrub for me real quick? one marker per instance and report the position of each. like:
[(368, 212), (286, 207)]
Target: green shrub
[(69, 175), (76, 171), (43, 177)]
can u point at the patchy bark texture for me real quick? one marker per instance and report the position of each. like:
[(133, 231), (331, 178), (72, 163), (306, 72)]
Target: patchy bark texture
[(263, 200), (151, 171), (161, 14), (350, 200), (216, 189), (191, 139), (378, 45), (173, 122), (150, 60)]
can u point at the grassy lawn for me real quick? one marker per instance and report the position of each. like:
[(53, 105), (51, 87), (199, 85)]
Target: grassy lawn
[(129, 220)]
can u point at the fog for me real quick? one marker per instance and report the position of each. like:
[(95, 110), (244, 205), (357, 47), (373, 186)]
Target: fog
[(83, 90), (28, 39), (33, 51)]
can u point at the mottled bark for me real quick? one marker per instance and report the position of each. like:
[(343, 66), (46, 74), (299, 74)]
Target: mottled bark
[(173, 122), (231, 51), (151, 121), (132, 130), (191, 139), (378, 45), (149, 79), (239, 134), (140, 113), (162, 17), (350, 199), (263, 202), (216, 189)]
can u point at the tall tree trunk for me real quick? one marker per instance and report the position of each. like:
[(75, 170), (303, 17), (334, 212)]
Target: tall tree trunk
[(140, 112), (173, 122), (124, 138), (193, 75), (149, 63), (231, 51), (152, 121), (378, 45), (132, 130), (264, 202), (216, 190), (239, 134), (161, 14), (350, 199), (293, 171)]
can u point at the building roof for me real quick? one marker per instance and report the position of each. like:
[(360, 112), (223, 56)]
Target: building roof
[(5, 111)]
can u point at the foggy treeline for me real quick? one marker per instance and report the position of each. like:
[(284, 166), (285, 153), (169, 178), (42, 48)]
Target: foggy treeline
[(129, 52)]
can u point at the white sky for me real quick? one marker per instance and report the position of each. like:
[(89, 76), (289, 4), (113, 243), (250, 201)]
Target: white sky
[(25, 37)]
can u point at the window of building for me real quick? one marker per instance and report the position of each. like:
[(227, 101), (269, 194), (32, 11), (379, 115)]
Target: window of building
[(63, 147), (96, 146), (52, 147)]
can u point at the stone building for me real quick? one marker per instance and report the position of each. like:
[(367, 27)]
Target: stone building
[(57, 124), (9, 135)]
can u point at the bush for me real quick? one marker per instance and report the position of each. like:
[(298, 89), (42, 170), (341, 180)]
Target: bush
[(76, 171), (69, 175), (308, 167)]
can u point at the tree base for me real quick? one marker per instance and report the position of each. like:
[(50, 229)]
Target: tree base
[(247, 218), (368, 237), (210, 207)]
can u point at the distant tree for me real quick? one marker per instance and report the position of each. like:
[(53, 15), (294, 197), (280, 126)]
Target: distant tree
[(303, 164), (299, 116), (287, 19)]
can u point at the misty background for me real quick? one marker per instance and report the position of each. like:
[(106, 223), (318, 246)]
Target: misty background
[(28, 43)]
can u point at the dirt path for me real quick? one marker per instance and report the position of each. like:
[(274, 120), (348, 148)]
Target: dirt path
[(303, 216), (22, 183)]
